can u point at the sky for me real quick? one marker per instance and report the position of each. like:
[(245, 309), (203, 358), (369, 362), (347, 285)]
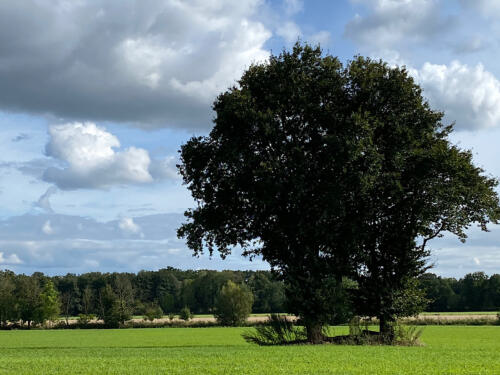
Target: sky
[(97, 96)]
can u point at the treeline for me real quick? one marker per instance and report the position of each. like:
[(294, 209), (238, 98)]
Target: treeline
[(474, 292), (115, 297)]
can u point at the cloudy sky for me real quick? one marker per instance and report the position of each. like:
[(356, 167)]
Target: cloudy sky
[(96, 97)]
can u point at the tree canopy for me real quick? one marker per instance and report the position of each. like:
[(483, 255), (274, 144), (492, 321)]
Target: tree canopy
[(329, 172)]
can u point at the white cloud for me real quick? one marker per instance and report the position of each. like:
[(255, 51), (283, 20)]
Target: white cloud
[(47, 228), (289, 31), (153, 63), (164, 168), (43, 202), (11, 259), (391, 22), (469, 45), (489, 8), (468, 95), (293, 6), (145, 242), (322, 38), (127, 225), (104, 246), (93, 159), (476, 261)]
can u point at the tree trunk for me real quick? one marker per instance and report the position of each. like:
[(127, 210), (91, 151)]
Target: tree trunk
[(387, 329), (314, 333)]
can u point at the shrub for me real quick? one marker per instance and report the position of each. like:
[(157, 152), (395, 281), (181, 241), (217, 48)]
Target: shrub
[(185, 314), (407, 335), (153, 312), (85, 318), (234, 305), (278, 331), (171, 316)]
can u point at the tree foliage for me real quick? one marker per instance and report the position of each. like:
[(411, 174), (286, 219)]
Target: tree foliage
[(185, 314), (8, 300), (152, 312), (49, 302), (329, 171), (234, 304)]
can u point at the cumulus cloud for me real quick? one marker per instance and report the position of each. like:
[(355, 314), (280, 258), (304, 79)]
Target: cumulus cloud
[(9, 259), (151, 63), (84, 244), (92, 158), (47, 228), (289, 31), (469, 95), (127, 225), (392, 22)]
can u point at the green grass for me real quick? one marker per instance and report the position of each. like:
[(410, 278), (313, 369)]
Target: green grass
[(448, 350)]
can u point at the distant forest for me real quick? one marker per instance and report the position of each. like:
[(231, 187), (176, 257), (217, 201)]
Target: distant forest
[(172, 289)]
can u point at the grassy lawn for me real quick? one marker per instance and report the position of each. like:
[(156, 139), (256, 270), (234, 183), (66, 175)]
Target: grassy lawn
[(448, 350)]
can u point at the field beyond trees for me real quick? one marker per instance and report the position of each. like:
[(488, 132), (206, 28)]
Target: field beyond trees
[(447, 350)]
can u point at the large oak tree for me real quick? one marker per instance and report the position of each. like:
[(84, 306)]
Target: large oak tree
[(329, 172)]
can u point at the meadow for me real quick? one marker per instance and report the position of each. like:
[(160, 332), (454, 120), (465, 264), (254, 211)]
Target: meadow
[(447, 350)]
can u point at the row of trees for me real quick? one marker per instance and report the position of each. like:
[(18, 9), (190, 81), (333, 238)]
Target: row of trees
[(115, 297), (474, 292), (25, 298)]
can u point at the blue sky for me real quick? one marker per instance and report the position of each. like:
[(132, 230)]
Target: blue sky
[(97, 96)]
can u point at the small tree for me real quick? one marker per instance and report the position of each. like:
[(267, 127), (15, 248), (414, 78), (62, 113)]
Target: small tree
[(50, 302), (152, 312), (185, 314), (108, 311), (124, 298), (69, 295), (233, 305), (87, 299)]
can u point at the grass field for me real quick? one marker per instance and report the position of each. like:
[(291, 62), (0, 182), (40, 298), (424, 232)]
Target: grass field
[(448, 350)]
